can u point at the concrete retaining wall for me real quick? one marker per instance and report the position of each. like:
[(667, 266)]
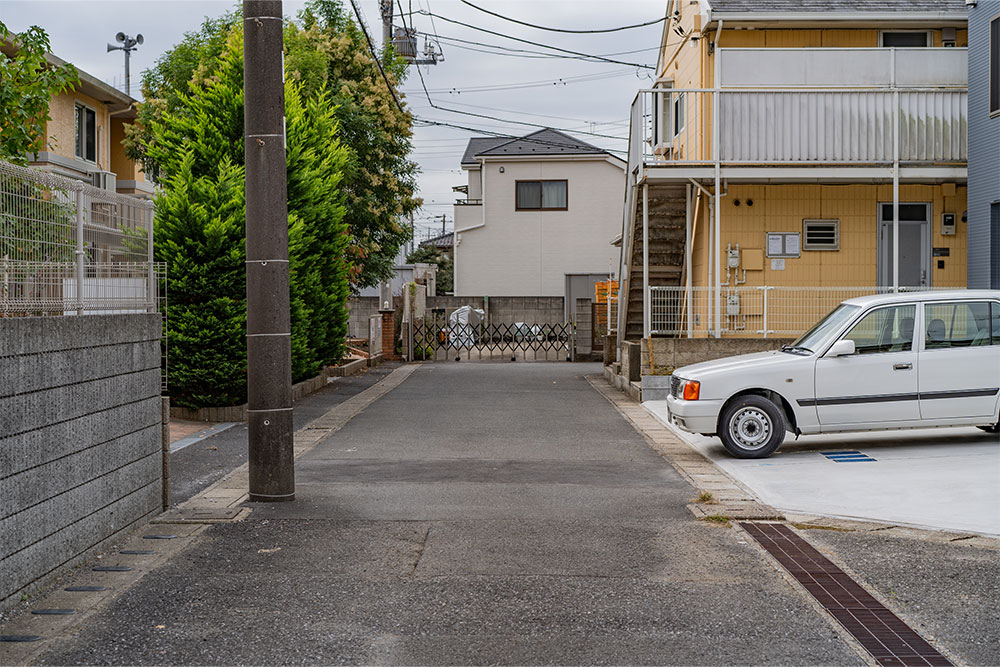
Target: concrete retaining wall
[(671, 353), (80, 439)]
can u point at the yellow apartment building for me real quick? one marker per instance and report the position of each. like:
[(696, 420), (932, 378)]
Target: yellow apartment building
[(792, 154), (84, 135)]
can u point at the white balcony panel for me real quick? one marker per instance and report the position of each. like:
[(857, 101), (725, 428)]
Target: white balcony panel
[(837, 127), (840, 68)]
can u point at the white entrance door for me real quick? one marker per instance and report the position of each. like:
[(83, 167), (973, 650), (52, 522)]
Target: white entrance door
[(914, 245)]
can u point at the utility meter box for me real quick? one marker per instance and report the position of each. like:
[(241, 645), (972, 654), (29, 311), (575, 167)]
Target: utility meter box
[(947, 224), (732, 304), (733, 261)]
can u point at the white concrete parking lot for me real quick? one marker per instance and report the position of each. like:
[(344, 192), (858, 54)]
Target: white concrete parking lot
[(944, 479)]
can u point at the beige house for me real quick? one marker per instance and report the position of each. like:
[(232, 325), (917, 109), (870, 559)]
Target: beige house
[(84, 135), (538, 218), (790, 155)]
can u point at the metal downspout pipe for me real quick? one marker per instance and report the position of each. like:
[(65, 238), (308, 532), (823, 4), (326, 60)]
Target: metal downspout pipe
[(645, 262)]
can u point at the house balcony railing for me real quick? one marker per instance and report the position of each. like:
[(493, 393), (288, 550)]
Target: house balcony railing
[(468, 202), (796, 126)]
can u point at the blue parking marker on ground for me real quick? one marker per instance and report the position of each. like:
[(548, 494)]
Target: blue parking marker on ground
[(849, 456)]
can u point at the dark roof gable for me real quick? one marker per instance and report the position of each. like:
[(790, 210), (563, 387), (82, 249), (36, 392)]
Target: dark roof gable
[(543, 142)]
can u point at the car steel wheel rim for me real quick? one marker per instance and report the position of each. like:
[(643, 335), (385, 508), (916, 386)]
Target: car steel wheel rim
[(751, 428)]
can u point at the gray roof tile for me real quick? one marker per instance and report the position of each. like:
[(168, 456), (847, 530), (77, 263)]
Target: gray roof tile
[(542, 142), (479, 144)]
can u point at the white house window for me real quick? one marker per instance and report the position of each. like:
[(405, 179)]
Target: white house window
[(541, 195), (904, 38), (86, 133), (821, 235), (995, 66)]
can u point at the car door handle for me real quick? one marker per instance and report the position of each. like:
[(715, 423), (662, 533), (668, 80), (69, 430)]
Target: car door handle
[(902, 367)]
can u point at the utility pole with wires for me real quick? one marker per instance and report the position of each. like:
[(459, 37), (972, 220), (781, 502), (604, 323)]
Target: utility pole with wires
[(404, 40), (269, 362)]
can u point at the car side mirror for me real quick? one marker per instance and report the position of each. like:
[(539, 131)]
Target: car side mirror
[(842, 348)]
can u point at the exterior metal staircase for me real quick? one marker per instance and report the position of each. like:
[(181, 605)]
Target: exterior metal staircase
[(667, 222)]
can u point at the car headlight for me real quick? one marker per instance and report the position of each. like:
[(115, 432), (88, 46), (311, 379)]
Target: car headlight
[(691, 391)]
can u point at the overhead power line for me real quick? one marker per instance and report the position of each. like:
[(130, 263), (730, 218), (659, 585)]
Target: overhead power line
[(576, 32), (501, 135), (502, 120), (540, 83), (528, 41), (525, 53), (371, 47)]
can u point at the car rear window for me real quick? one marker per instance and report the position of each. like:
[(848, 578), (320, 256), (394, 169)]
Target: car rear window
[(958, 324)]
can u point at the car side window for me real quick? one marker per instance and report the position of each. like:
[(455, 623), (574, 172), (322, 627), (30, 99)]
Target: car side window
[(959, 324), (996, 322), (884, 330)]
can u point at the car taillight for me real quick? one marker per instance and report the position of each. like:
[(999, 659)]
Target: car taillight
[(691, 390)]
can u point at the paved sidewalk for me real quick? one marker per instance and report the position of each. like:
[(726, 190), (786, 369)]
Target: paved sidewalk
[(477, 513)]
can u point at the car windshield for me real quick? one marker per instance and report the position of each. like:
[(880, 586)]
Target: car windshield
[(813, 339)]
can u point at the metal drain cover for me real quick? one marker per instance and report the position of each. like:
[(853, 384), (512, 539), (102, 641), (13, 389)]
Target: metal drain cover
[(883, 634)]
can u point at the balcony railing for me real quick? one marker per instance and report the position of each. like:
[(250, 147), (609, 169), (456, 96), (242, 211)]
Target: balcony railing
[(799, 126), (468, 202)]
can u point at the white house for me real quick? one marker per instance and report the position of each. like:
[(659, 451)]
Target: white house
[(539, 218)]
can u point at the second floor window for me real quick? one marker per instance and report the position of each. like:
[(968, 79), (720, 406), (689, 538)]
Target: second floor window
[(86, 133), (542, 196), (905, 38)]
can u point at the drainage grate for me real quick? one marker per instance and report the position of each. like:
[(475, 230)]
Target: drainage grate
[(882, 633), (847, 456), (85, 589), (19, 638), (111, 568), (159, 537), (53, 612), (137, 552)]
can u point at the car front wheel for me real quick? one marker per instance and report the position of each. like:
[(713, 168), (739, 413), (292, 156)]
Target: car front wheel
[(752, 427)]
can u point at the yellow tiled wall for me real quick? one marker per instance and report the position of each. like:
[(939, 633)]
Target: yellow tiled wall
[(60, 131), (782, 208)]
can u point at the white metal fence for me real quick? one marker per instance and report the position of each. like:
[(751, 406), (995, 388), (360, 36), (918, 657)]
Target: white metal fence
[(70, 248), (747, 311)]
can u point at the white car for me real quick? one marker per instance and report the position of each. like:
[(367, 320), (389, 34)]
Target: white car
[(911, 360)]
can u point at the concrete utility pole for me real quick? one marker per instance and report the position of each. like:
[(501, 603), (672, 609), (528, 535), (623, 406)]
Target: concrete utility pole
[(385, 7), (269, 362)]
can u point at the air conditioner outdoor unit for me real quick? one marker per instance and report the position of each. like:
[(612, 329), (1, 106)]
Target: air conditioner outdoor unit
[(106, 180)]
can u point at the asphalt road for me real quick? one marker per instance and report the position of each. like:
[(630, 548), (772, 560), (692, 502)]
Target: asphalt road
[(479, 513), (199, 465)]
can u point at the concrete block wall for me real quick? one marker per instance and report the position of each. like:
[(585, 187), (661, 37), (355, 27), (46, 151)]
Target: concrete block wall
[(80, 439), (502, 309), (671, 353)]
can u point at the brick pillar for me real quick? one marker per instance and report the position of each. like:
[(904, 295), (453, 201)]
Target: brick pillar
[(389, 335)]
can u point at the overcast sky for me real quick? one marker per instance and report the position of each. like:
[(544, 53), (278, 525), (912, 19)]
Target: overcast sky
[(561, 93)]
